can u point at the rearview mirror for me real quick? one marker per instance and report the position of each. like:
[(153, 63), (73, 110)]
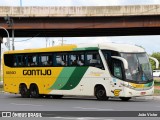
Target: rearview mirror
[(156, 61)]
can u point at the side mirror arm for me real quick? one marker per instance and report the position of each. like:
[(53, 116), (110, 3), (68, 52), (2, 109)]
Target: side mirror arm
[(156, 61), (123, 60)]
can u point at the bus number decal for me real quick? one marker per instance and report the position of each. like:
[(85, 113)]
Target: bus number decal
[(10, 72), (37, 72)]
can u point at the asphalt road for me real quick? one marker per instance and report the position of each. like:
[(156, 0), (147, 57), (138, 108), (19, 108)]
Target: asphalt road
[(11, 102)]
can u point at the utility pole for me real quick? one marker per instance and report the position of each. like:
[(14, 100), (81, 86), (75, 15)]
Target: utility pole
[(62, 41), (52, 42), (12, 37), (46, 41)]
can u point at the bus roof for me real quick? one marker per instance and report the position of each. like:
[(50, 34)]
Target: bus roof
[(105, 46), (114, 46)]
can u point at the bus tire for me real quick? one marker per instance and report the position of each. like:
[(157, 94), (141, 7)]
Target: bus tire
[(24, 91), (100, 93), (34, 91), (125, 98), (57, 96)]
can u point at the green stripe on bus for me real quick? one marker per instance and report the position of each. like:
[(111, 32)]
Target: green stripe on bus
[(148, 84), (63, 78), (75, 78)]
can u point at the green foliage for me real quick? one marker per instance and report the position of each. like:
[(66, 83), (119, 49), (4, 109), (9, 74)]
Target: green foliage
[(155, 55), (156, 92), (156, 83)]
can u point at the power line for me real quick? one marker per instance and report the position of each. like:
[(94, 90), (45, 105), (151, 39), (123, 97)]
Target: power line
[(28, 38)]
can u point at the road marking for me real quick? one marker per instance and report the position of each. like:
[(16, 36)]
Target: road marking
[(63, 118), (81, 118), (93, 108), (25, 104)]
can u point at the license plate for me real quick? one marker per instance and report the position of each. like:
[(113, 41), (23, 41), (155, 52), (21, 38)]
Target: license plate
[(143, 93)]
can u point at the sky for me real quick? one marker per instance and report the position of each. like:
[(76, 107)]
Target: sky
[(150, 43)]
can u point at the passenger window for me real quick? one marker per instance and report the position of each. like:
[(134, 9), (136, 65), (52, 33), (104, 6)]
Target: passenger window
[(9, 60), (61, 59), (93, 59), (32, 60), (20, 60), (76, 59), (46, 60), (15, 61)]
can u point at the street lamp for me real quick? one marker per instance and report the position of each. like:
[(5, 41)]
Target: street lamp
[(10, 22), (8, 40)]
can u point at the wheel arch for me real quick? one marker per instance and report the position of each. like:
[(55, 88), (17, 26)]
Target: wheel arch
[(22, 84), (99, 85), (34, 87), (33, 84)]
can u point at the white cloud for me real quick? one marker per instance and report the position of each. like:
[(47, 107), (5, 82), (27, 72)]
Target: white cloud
[(97, 2), (150, 43), (76, 2), (9, 2), (32, 43), (100, 40)]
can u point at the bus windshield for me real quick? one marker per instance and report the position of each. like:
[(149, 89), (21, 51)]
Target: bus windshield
[(139, 69)]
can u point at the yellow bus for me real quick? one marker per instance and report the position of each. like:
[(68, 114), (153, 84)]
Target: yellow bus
[(101, 70)]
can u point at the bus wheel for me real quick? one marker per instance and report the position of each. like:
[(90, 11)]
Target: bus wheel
[(34, 91), (24, 91), (125, 98), (57, 96), (100, 93)]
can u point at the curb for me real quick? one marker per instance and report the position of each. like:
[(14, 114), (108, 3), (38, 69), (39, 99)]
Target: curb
[(148, 98), (156, 97)]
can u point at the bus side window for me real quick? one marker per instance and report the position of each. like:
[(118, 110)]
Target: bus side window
[(14, 61), (24, 60), (72, 59), (93, 59), (19, 60), (9, 60), (61, 59), (77, 59), (32, 60), (45, 60), (117, 68)]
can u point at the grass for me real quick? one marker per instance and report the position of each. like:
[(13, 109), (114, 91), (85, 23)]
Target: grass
[(156, 92), (157, 79), (1, 89), (157, 83)]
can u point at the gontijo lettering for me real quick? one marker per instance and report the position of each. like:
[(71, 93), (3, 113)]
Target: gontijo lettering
[(37, 72)]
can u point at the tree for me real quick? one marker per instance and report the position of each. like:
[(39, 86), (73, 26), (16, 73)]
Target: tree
[(157, 56)]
